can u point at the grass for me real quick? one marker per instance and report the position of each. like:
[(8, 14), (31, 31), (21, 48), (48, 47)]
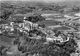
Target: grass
[(5, 39), (49, 22), (62, 28)]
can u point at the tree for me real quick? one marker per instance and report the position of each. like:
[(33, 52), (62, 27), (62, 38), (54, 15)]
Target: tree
[(1, 49), (35, 18), (6, 10), (75, 9), (42, 25), (5, 14)]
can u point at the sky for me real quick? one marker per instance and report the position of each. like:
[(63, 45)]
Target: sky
[(42, 0)]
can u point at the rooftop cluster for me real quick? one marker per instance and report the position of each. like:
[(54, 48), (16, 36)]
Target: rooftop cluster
[(30, 37)]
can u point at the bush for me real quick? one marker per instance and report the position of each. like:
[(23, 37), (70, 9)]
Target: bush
[(52, 49), (35, 18)]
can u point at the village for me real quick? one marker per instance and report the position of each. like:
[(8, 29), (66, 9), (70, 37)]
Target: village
[(39, 29), (26, 26)]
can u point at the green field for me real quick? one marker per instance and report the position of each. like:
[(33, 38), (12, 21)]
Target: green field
[(49, 22)]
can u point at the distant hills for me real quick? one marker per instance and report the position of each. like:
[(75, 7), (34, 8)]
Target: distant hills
[(64, 2)]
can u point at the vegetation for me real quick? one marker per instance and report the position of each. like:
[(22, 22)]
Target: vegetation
[(33, 42), (35, 18)]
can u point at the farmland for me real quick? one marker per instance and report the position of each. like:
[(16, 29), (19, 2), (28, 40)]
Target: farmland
[(39, 28)]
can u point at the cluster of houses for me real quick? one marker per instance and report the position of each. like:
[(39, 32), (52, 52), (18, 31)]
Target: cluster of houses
[(58, 37), (26, 26)]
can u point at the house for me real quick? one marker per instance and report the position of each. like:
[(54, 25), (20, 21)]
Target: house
[(28, 24)]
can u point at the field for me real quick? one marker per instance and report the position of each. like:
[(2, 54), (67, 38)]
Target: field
[(39, 28)]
